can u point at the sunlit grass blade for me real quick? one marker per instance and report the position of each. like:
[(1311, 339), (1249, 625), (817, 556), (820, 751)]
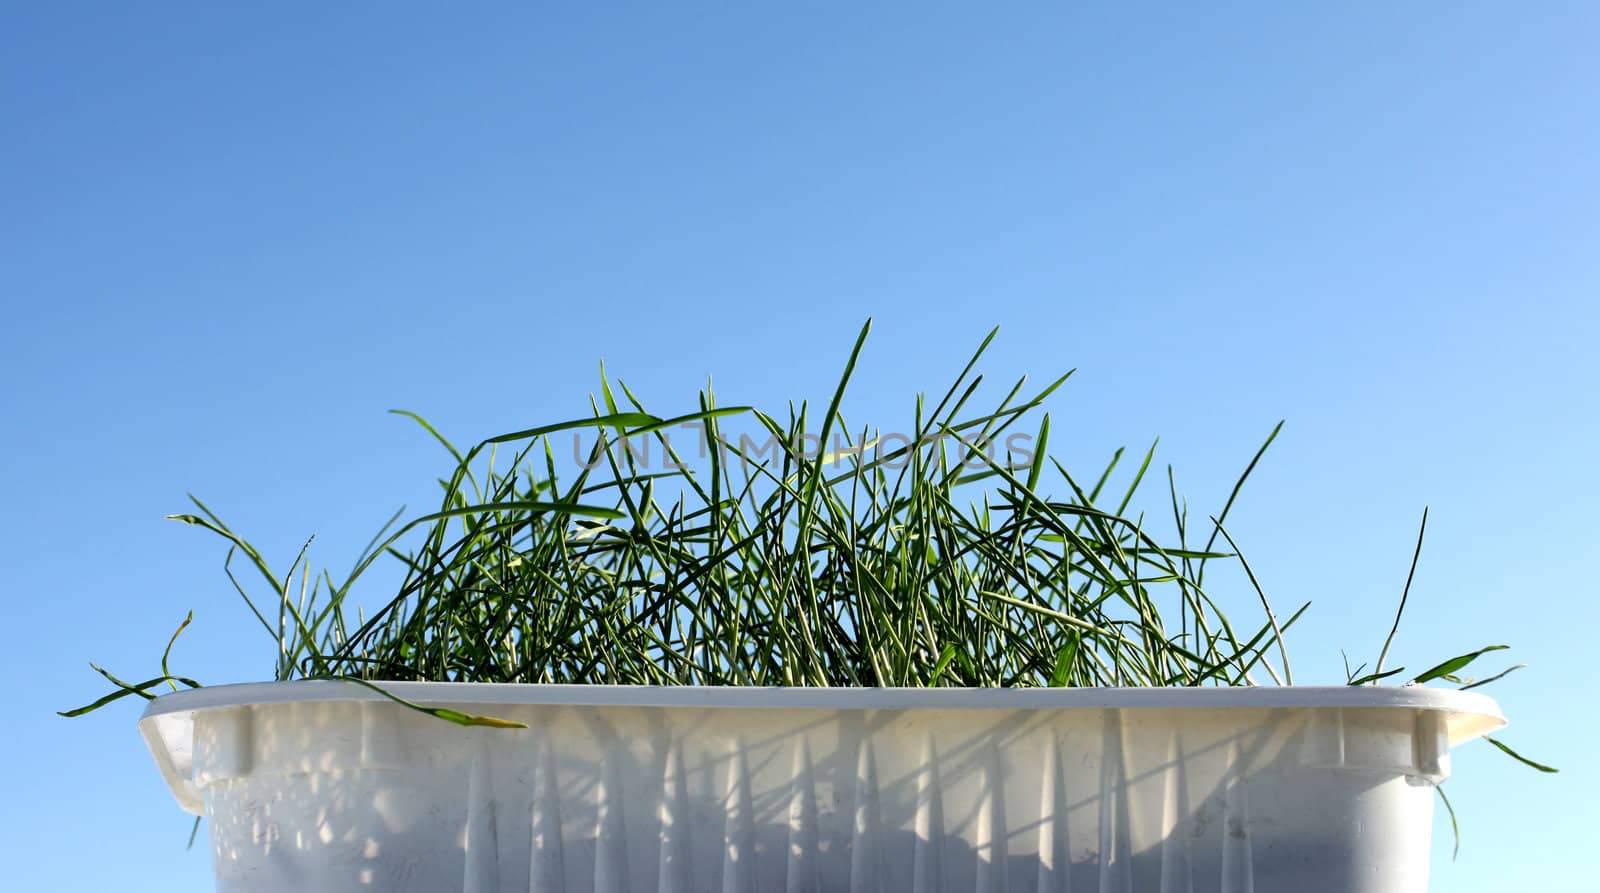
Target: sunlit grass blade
[(1454, 664), (1374, 677), (1495, 678), (1455, 826), (1405, 593), (1517, 756), (168, 652), (446, 714), (125, 689)]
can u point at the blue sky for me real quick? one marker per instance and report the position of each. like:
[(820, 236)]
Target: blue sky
[(234, 238)]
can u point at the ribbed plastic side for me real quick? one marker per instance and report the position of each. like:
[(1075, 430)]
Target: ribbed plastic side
[(325, 796)]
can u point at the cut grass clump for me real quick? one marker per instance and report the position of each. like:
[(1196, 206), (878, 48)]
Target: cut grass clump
[(939, 558), (959, 553), (942, 556)]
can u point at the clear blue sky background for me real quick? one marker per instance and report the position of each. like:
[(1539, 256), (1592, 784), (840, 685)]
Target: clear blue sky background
[(232, 239)]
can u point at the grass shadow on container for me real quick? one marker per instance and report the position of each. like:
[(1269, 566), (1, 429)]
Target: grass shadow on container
[(341, 795)]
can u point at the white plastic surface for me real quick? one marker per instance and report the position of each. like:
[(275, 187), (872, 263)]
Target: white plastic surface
[(326, 786)]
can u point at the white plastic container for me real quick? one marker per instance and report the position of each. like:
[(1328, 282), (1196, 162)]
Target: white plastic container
[(326, 786)]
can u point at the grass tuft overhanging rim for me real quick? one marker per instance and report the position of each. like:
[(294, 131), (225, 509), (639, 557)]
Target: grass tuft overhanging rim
[(956, 554)]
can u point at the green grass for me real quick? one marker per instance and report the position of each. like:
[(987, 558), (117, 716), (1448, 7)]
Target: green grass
[(940, 564), (956, 555)]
